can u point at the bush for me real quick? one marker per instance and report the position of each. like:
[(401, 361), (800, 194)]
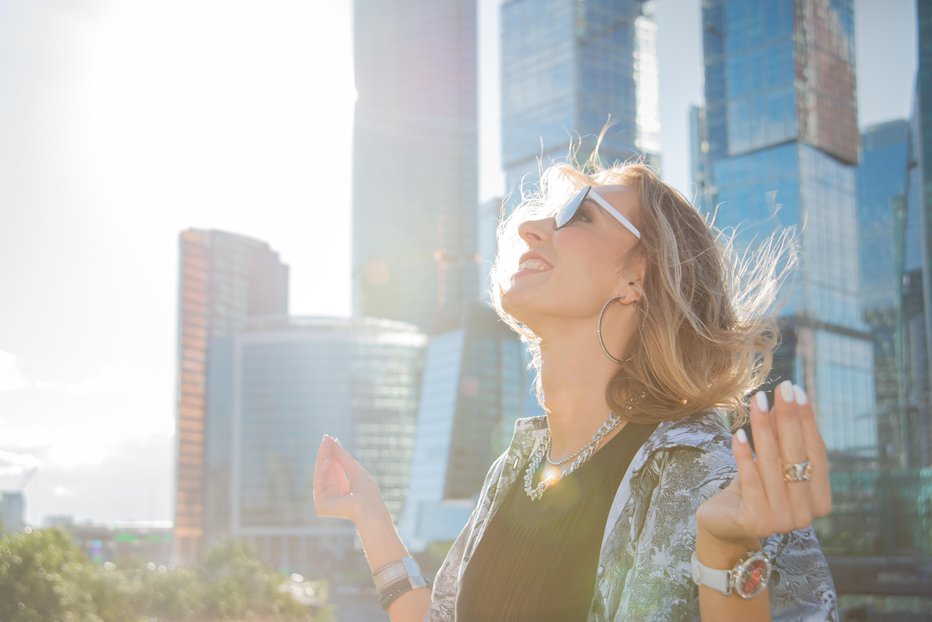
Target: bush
[(45, 577)]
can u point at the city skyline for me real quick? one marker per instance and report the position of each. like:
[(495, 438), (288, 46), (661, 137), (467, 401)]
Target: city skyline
[(86, 375)]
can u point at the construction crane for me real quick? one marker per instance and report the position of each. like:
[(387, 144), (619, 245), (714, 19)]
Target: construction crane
[(26, 477)]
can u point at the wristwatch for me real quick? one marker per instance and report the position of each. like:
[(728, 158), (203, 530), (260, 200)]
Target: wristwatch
[(747, 579)]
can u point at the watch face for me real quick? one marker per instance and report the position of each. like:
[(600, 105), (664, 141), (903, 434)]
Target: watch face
[(751, 578)]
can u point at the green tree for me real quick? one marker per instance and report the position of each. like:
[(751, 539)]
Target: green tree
[(238, 585), (45, 577), (169, 595)]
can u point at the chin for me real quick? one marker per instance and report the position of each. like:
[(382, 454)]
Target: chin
[(510, 305), (517, 308)]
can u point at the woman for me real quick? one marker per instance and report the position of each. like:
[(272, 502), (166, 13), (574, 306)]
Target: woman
[(630, 499)]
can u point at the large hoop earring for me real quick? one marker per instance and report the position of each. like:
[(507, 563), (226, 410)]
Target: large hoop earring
[(599, 331)]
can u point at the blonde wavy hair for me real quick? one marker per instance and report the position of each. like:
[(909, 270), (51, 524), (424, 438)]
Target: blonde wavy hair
[(707, 317)]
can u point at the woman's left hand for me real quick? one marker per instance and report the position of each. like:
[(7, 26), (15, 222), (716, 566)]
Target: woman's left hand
[(760, 500)]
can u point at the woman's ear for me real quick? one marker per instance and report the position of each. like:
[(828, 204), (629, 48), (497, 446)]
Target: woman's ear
[(632, 279)]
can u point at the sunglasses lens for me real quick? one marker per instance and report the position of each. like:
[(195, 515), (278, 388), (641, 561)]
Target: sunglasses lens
[(567, 212)]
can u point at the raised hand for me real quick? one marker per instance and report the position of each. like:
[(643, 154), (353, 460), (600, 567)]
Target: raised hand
[(767, 496), (342, 487)]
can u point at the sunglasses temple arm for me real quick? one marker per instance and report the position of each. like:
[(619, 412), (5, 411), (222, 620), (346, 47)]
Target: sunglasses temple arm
[(614, 212)]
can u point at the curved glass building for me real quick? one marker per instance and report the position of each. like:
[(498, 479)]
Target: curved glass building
[(278, 387)]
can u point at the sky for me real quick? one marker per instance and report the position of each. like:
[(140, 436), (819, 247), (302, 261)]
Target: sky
[(123, 122)]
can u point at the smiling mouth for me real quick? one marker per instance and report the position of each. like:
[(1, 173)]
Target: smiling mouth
[(523, 272), (534, 265)]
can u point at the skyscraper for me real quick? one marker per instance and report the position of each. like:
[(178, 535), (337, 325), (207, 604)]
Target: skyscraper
[(415, 159), (881, 183), (782, 134), (566, 66), (223, 279)]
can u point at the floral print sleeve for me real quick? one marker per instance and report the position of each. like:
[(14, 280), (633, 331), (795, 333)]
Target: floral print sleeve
[(659, 586)]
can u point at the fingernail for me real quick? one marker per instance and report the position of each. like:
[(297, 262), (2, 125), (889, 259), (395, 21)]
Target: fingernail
[(786, 391), (801, 396), (761, 398), (742, 436)]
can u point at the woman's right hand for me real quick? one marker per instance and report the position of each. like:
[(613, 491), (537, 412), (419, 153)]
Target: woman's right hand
[(342, 487)]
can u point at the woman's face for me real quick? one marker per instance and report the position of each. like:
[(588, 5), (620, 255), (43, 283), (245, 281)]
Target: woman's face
[(573, 270)]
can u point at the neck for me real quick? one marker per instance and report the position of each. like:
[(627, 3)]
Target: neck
[(574, 375)]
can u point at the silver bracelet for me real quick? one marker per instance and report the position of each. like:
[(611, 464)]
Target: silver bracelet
[(405, 569)]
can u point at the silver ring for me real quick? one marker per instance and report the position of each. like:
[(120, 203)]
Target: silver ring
[(799, 472)]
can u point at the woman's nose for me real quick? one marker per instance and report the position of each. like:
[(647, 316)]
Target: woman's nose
[(535, 230)]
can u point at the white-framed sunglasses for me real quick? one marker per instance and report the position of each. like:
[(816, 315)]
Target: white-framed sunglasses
[(568, 211)]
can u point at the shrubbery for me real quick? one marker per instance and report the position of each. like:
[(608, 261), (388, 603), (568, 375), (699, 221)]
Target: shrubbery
[(45, 577)]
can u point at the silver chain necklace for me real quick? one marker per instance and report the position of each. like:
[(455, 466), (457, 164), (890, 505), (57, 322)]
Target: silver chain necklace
[(607, 426), (581, 456)]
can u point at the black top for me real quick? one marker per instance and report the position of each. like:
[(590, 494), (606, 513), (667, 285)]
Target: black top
[(537, 560)]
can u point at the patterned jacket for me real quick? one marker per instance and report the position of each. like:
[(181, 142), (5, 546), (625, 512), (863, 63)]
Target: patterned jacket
[(643, 571)]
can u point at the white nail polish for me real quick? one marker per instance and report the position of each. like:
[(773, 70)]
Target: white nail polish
[(801, 397), (786, 391), (761, 398), (742, 436)]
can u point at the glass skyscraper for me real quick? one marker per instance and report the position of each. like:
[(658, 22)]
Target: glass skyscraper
[(566, 66), (882, 179), (885, 511), (223, 279), (280, 384), (783, 141), (415, 159)]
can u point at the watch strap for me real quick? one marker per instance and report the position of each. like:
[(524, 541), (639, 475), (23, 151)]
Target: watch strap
[(747, 579), (710, 577)]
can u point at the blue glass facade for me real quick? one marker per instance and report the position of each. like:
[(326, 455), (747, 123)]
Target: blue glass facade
[(566, 66), (415, 159), (778, 71), (882, 180), (286, 382), (472, 393), (781, 125), (882, 185)]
